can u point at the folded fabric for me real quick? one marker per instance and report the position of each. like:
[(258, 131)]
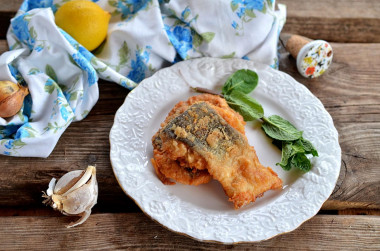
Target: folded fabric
[(143, 36)]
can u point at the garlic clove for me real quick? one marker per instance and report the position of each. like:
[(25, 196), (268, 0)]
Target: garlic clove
[(67, 181), (79, 200), (74, 194), (90, 171)]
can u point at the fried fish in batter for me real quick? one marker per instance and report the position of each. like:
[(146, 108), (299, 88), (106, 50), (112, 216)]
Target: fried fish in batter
[(229, 158), (176, 161)]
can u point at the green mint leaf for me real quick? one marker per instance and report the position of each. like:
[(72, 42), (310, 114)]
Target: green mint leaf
[(247, 106), (277, 143), (298, 147), (280, 129), (244, 81), (309, 148), (289, 150), (300, 161), (286, 154)]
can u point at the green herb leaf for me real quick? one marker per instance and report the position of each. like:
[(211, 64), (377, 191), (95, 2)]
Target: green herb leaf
[(247, 106), (301, 161), (284, 135), (280, 129), (309, 148), (294, 155), (297, 146), (244, 81), (286, 154)]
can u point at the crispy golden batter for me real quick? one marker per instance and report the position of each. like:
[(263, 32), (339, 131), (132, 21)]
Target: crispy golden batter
[(174, 160), (197, 143)]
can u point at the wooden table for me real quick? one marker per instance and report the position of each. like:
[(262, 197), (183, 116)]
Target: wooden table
[(350, 91)]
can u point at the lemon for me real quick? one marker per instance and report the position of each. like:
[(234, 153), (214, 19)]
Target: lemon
[(85, 21)]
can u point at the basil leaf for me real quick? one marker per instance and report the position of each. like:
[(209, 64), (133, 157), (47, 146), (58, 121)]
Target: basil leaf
[(244, 81), (280, 129), (247, 106), (301, 161), (309, 148)]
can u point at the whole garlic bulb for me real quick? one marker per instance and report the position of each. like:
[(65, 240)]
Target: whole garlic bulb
[(11, 98), (74, 194)]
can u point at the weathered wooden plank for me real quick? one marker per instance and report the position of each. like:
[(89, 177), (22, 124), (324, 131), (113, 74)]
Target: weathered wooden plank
[(336, 8), (359, 212), (122, 231), (338, 21), (350, 90), (3, 46)]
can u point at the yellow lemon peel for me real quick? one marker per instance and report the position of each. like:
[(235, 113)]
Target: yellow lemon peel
[(85, 21)]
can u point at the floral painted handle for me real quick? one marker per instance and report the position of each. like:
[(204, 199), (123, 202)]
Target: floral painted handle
[(313, 57)]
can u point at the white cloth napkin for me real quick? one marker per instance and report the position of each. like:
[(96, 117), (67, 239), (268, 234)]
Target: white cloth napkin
[(143, 36)]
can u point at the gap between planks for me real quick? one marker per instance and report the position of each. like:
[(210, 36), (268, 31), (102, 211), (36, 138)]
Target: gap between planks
[(112, 231)]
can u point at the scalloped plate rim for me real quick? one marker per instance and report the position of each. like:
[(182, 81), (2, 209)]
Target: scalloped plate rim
[(249, 64)]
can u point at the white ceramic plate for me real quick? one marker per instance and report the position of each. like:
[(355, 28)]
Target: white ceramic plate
[(204, 212)]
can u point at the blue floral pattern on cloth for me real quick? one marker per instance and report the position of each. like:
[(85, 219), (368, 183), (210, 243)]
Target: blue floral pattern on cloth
[(20, 27), (126, 8), (245, 11), (139, 65), (84, 64), (182, 36), (33, 4), (181, 39), (143, 36)]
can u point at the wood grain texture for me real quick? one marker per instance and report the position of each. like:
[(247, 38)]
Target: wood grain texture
[(350, 91), (336, 21), (359, 212), (336, 9), (348, 21), (136, 231)]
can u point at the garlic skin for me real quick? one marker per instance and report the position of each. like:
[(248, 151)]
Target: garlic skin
[(74, 194), (11, 98)]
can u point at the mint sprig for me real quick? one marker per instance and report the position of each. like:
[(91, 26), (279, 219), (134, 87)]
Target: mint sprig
[(283, 133)]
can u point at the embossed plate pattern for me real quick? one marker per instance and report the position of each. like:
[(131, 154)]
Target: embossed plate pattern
[(203, 212)]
